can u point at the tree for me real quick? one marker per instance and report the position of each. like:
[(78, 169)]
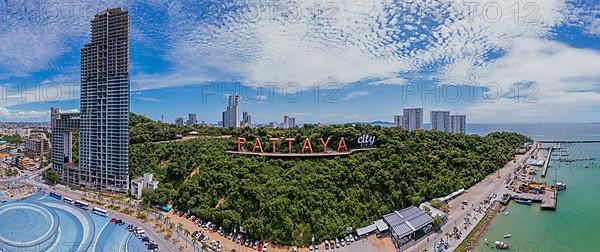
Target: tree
[(51, 176), (437, 222), (284, 200)]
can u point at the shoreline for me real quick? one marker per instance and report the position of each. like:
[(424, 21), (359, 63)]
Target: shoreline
[(481, 227), (476, 196)]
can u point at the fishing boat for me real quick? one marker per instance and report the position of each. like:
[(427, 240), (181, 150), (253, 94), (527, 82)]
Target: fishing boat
[(561, 186), (501, 245), (523, 201), (507, 236)]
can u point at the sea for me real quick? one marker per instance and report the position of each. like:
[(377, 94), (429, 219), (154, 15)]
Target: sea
[(575, 224)]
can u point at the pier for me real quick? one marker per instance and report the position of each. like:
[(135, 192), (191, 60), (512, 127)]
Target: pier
[(568, 141), (547, 199), (545, 169)]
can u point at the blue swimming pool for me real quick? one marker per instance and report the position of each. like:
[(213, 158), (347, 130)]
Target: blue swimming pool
[(41, 223)]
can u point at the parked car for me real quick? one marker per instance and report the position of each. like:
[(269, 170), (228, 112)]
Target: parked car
[(260, 246), (255, 246)]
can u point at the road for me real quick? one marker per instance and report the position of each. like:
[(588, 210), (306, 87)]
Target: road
[(493, 183)]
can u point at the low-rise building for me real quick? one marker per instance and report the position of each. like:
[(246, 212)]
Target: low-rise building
[(141, 183), (37, 146), (408, 224), (25, 163)]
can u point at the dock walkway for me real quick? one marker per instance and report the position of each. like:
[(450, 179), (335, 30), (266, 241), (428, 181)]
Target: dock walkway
[(545, 169), (547, 199)]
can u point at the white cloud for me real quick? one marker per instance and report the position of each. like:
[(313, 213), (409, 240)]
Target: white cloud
[(354, 94), (568, 80), (7, 114)]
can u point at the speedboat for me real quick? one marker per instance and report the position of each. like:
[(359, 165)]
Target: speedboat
[(561, 186), (507, 236), (501, 245)]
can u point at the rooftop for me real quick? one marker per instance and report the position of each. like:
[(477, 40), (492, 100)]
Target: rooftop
[(407, 221)]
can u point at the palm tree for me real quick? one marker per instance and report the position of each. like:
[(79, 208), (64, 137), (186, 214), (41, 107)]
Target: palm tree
[(179, 227), (186, 234)]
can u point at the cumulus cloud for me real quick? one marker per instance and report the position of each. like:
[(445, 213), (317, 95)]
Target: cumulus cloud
[(561, 81)]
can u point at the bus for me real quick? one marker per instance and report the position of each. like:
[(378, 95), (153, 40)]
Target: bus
[(55, 195), (81, 204), (100, 211), (68, 200)]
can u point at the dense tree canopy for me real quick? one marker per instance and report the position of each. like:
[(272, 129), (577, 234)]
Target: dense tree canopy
[(287, 200)]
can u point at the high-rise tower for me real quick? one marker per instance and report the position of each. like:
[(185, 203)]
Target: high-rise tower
[(104, 133)]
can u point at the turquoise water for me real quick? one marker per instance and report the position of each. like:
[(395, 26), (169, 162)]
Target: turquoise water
[(574, 226), (40, 223)]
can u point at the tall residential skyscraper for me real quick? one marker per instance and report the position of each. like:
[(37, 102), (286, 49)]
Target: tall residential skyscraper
[(458, 124), (192, 119), (398, 121), (231, 117), (104, 137), (291, 122), (412, 118), (440, 121)]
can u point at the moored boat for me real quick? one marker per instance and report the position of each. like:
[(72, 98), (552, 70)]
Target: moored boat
[(561, 186), (501, 245), (523, 201)]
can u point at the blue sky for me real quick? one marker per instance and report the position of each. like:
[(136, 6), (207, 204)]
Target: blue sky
[(320, 61)]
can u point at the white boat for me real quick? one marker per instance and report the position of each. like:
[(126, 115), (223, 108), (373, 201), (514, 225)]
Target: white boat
[(561, 186), (507, 235), (501, 245), (506, 213)]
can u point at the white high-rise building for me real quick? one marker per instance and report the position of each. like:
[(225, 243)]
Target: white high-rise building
[(412, 118), (398, 121), (440, 121), (458, 124), (231, 117)]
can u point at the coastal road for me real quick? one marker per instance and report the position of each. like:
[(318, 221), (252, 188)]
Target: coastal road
[(493, 183)]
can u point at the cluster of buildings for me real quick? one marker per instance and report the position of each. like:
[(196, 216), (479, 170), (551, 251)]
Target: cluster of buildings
[(28, 154), (412, 119), (192, 120), (288, 122)]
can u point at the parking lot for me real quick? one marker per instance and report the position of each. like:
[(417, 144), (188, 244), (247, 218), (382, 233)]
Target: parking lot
[(212, 236)]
